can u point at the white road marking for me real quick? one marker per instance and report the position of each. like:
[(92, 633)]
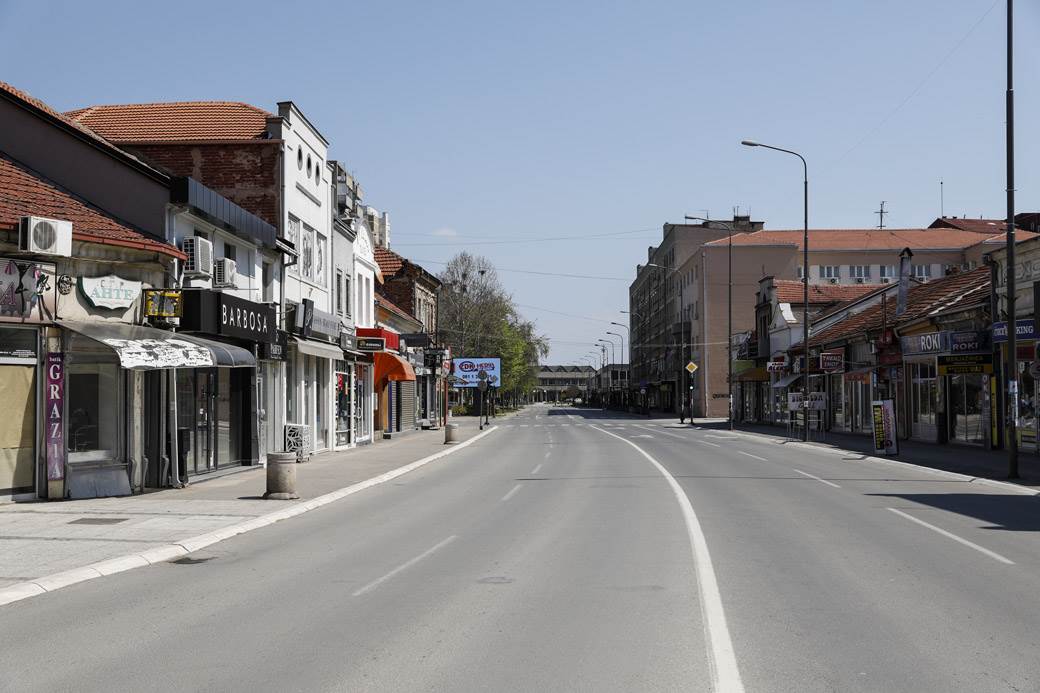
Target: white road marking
[(724, 671), (547, 453), (536, 469), (813, 476), (673, 435), (511, 493), (950, 535), (704, 442), (748, 454), (523, 425), (404, 566)]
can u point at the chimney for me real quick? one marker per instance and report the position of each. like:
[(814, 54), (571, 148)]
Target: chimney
[(904, 280)]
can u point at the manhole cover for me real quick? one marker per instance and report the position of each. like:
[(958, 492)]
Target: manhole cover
[(99, 520)]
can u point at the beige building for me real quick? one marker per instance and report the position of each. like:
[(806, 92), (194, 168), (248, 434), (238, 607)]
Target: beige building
[(836, 256)]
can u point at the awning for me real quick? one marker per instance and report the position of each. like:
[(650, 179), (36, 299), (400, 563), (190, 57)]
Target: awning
[(786, 381), (322, 350), (392, 367), (146, 348)]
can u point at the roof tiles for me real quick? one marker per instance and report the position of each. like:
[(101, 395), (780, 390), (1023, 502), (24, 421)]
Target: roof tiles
[(859, 239), (792, 291), (183, 121)]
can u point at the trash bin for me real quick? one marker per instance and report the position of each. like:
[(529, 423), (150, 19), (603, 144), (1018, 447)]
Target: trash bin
[(449, 432), (281, 476)]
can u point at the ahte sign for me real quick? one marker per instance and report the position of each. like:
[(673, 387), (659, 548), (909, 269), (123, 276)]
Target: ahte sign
[(110, 291)]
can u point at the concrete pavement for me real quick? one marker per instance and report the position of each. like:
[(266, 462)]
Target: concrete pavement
[(556, 555)]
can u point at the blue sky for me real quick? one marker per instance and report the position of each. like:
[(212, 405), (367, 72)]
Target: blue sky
[(475, 123)]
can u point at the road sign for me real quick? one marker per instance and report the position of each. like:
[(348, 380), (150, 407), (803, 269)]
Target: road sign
[(691, 367)]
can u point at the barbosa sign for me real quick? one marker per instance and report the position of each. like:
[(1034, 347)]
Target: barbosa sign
[(254, 321)]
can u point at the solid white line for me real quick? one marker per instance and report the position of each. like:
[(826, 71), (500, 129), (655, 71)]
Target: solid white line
[(748, 454), (511, 493), (547, 453), (724, 670), (404, 566), (536, 469), (950, 535), (813, 476), (704, 442)]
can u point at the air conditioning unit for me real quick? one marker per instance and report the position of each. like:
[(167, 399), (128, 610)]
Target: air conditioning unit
[(833, 280), (225, 272), (886, 280), (860, 280), (45, 236), (200, 256)]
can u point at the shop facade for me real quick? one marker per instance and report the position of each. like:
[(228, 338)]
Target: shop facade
[(314, 355)]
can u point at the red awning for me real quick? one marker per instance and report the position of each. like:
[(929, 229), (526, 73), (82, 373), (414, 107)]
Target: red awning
[(392, 367)]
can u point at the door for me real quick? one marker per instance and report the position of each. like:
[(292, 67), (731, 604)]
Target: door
[(17, 427), (203, 460)]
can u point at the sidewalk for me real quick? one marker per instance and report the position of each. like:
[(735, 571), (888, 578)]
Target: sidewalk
[(962, 459), (42, 538)]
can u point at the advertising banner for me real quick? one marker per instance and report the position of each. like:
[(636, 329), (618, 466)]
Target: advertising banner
[(54, 436), (27, 291), (467, 371), (794, 401), (884, 420)]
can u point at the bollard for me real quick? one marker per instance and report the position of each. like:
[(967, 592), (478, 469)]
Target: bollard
[(281, 476), (449, 432)]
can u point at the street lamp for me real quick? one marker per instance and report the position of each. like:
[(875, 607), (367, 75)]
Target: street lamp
[(729, 308), (805, 274), (622, 338), (612, 354)]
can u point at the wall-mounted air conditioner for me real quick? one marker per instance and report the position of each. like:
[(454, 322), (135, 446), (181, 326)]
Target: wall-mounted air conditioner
[(200, 256), (833, 280), (886, 280), (860, 280), (45, 236), (225, 273)]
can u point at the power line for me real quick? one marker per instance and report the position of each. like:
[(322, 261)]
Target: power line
[(566, 315), (544, 274), (608, 234)]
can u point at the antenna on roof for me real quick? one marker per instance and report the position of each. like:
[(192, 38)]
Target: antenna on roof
[(881, 215), (942, 205)]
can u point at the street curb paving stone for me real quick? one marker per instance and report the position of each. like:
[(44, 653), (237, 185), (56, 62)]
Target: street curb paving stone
[(167, 552)]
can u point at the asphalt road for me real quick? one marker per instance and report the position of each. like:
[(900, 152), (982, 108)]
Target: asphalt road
[(576, 550)]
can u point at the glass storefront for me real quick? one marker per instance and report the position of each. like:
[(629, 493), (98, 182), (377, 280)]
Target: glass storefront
[(966, 405), (211, 416), (344, 403), (923, 396), (93, 400), (362, 398)]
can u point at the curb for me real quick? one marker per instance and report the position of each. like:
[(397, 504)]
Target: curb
[(172, 551), (864, 457)]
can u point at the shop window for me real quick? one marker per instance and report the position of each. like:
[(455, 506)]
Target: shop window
[(319, 259), (93, 403), (293, 233), (307, 253)]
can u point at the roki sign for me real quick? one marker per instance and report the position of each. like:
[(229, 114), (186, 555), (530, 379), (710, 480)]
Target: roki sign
[(467, 371)]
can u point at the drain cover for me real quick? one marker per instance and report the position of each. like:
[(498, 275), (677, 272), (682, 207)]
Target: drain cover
[(99, 520)]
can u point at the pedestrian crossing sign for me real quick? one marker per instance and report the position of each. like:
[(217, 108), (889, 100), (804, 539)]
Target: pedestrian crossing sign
[(691, 367)]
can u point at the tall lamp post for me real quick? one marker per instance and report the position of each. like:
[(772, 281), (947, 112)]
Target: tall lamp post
[(605, 342), (622, 338), (628, 365), (681, 382), (805, 275), (1012, 359), (729, 307)]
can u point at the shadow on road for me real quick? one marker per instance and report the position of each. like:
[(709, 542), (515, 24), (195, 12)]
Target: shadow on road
[(1012, 513)]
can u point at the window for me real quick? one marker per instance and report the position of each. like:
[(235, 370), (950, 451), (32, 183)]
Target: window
[(308, 165), (299, 158), (317, 172), (230, 252), (339, 293), (830, 271), (319, 259), (801, 271), (921, 271), (267, 277), (887, 271), (92, 400), (859, 271), (293, 236), (307, 253), (346, 295)]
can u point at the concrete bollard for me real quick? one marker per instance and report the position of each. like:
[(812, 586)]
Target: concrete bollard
[(449, 432), (281, 476)]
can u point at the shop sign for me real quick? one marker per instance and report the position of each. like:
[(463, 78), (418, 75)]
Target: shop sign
[(54, 436), (776, 365), (110, 291), (228, 315), (162, 303), (964, 364), (309, 321), (416, 339), (347, 341), (818, 401), (27, 291), (975, 342), (931, 343), (1024, 329), (275, 350), (794, 401), (371, 344), (832, 361), (884, 419), (469, 370)]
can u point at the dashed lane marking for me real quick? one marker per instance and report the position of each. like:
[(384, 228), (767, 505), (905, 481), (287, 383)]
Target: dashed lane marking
[(748, 454), (950, 535), (813, 476), (512, 492), (404, 566)]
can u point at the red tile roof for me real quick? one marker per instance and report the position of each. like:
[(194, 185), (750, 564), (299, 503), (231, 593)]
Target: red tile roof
[(961, 290), (390, 263), (24, 192), (859, 239), (184, 121), (987, 226), (791, 291)]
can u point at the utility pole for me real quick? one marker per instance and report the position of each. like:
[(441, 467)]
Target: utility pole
[(881, 215), (1012, 341)]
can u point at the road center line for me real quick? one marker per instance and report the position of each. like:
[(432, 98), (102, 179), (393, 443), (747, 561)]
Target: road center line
[(756, 457), (813, 476), (404, 566), (512, 492), (950, 535), (536, 469), (724, 671), (704, 442)]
